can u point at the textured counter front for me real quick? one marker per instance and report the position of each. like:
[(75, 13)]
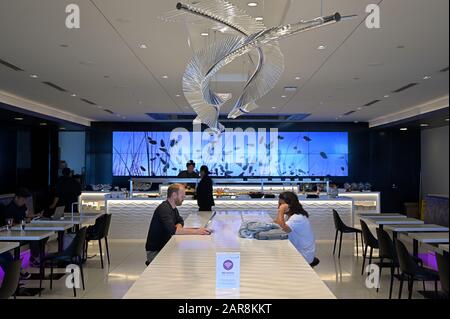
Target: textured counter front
[(131, 217), (185, 268)]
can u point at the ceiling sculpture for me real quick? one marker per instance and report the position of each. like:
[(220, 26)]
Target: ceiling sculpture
[(244, 35)]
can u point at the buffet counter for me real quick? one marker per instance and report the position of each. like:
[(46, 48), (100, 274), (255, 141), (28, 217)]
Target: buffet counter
[(132, 216), (186, 267)]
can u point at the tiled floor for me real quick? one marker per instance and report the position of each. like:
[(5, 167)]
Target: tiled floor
[(342, 276)]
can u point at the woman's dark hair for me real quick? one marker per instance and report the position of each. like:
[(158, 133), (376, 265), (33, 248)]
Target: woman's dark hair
[(291, 200), (204, 169)]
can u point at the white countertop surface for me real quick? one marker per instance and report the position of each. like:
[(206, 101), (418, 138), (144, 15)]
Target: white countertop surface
[(49, 227), (416, 228), (31, 235), (185, 268), (7, 246), (431, 238), (67, 220), (395, 221), (380, 216)]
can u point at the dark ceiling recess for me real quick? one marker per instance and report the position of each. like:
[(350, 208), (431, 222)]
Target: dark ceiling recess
[(348, 113), (9, 65), (410, 85), (372, 102), (88, 102), (444, 70), (56, 87), (109, 111)]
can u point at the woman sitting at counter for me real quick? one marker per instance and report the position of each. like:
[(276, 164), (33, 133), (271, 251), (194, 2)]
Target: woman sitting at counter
[(297, 225), (204, 190)]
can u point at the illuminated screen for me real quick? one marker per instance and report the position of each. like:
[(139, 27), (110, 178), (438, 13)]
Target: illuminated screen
[(235, 153)]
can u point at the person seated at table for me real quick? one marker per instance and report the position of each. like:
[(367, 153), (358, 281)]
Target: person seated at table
[(6, 257), (297, 225), (166, 222), (204, 191), (18, 211), (67, 191)]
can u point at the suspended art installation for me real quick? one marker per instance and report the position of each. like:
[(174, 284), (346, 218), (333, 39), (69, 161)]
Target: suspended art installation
[(249, 34)]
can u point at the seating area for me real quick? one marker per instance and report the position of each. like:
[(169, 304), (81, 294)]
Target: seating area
[(251, 155)]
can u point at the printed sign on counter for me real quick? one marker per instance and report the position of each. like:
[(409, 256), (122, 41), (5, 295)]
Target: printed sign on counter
[(228, 270)]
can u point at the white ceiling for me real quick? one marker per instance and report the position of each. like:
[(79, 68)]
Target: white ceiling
[(107, 44)]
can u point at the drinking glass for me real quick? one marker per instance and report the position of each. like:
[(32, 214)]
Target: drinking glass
[(9, 223)]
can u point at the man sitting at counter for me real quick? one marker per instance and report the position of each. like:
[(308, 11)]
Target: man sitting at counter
[(297, 226), (166, 222)]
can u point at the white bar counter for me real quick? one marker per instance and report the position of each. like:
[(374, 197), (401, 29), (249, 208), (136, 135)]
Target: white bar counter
[(132, 216), (185, 268)]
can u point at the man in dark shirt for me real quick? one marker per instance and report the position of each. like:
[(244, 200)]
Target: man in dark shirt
[(17, 211), (166, 222), (67, 191), (189, 172), (17, 208)]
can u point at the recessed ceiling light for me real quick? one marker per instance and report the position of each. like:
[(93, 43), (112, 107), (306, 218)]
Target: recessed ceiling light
[(64, 45), (204, 34), (424, 125), (386, 96), (356, 122), (259, 18), (99, 107), (283, 96), (106, 76), (18, 118), (359, 108), (177, 95), (34, 76), (446, 120), (43, 124), (139, 102), (356, 78), (274, 107), (427, 77), (321, 47), (400, 46), (62, 128), (73, 95), (321, 103), (404, 129), (298, 78), (252, 4), (143, 46), (165, 77)]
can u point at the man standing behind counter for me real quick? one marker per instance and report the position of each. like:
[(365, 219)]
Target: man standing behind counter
[(166, 222)]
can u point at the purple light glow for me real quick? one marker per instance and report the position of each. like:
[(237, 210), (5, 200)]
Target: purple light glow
[(429, 260), (25, 257)]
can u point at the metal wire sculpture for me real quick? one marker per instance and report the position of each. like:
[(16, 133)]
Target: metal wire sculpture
[(249, 35)]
